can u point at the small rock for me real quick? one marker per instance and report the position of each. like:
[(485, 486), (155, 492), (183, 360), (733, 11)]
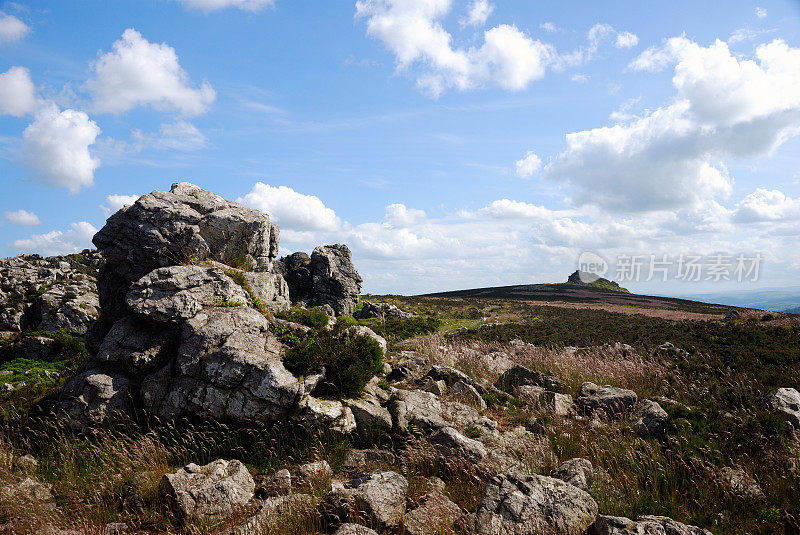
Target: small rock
[(437, 388), (378, 498), (273, 511), (578, 472), (555, 403), (362, 460), (652, 420), (786, 401), (520, 375), (354, 529), (740, 483), (278, 484), (613, 402), (112, 528), (470, 394), (448, 441), (436, 514), (26, 463), (646, 525), (213, 490), (310, 473)]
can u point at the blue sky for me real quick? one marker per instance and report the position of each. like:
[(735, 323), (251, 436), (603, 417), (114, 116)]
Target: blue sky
[(449, 143)]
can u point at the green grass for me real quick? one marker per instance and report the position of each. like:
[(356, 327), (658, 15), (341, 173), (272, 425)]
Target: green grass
[(310, 317)]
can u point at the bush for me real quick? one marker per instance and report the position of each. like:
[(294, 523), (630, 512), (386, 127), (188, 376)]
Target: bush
[(311, 317), (400, 329), (350, 360)]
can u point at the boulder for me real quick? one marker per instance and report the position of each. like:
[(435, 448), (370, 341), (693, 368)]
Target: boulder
[(520, 375), (177, 293), (95, 396), (369, 415), (228, 365), (578, 472), (413, 410), (380, 310), (327, 277), (450, 443), (310, 473), (213, 490), (277, 484), (273, 512), (651, 420), (613, 402), (137, 347), (360, 460), (739, 483), (533, 504), (786, 402), (646, 525), (470, 394), (377, 498), (435, 514), (555, 403), (354, 529), (186, 224), (326, 414)]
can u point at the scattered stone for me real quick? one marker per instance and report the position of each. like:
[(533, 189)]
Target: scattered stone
[(112, 528), (95, 396), (740, 483), (277, 484), (361, 460), (361, 330), (272, 512), (354, 529), (435, 514), (786, 401), (651, 420), (520, 375), (311, 473), (415, 410), (613, 402), (31, 491), (380, 310), (213, 490), (26, 463), (533, 504), (578, 472), (437, 388), (470, 394), (370, 416), (646, 525), (378, 498), (555, 403), (449, 442)]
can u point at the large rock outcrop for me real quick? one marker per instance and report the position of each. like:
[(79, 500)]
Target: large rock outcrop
[(327, 277), (212, 491), (185, 293)]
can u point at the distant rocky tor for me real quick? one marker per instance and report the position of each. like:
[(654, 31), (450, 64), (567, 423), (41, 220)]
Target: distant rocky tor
[(186, 283), (584, 278)]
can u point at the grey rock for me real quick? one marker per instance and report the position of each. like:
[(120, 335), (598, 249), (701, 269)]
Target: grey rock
[(555, 403), (172, 228), (354, 529), (520, 375), (449, 442), (469, 393), (578, 472), (176, 293), (310, 473), (451, 376), (369, 415), (277, 484), (95, 397), (786, 402), (414, 410), (113, 528), (30, 491), (435, 514), (533, 504), (213, 490), (378, 498), (327, 414), (361, 330), (360, 460), (136, 346), (381, 310), (740, 483), (26, 463), (612, 401), (437, 388), (651, 420), (272, 512), (646, 525)]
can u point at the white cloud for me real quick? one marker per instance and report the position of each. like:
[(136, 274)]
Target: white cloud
[(77, 238), (478, 14), (508, 209), (579, 78), (761, 12), (115, 202), (17, 92), (549, 27), (291, 210), (412, 32), (623, 113), (673, 157), (180, 135), (400, 216), (141, 73), (528, 165), (56, 148), (216, 5), (767, 205), (626, 40), (22, 217), (11, 28)]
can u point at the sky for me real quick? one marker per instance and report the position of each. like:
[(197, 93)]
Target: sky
[(449, 143)]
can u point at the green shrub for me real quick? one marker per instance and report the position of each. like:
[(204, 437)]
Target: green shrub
[(343, 322), (350, 360), (400, 329), (311, 317), (230, 304)]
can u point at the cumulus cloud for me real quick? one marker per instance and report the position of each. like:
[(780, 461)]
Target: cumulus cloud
[(77, 238), (761, 12), (115, 202), (17, 92), (549, 27), (673, 157), (478, 13), (626, 40), (22, 217), (216, 5), (141, 73), (400, 216), (528, 165), (290, 209), (767, 205), (56, 148), (11, 28)]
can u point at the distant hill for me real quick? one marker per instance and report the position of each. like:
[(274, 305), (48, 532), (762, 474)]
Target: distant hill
[(583, 278), (795, 310), (777, 299)]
